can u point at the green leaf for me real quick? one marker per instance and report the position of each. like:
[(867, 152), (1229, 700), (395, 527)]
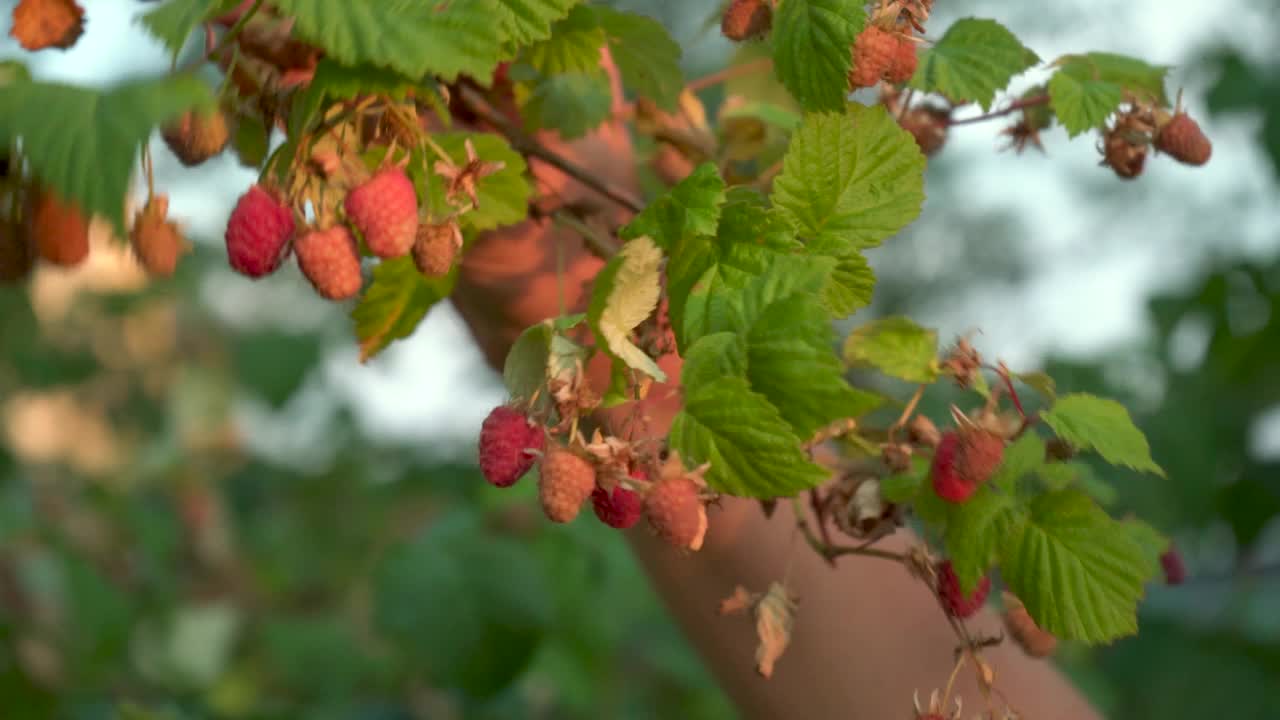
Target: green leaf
[(334, 81), (1104, 426), (624, 294), (812, 42), (1138, 77), (13, 71), (527, 21), (974, 531), (525, 369), (1060, 475), (572, 47), (1152, 541), (174, 21), (1079, 572), (504, 195), (394, 303), (851, 284), (752, 451), (1023, 457), (250, 142), (690, 208), (895, 346), (713, 356), (851, 179), (572, 104), (1081, 101), (85, 142), (1041, 383), (415, 38), (904, 487), (647, 58), (971, 61)]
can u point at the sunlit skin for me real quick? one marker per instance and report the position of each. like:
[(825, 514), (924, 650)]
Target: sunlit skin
[(867, 635)]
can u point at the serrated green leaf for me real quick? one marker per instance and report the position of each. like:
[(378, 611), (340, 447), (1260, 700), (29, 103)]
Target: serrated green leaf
[(690, 208), (812, 42), (85, 142), (415, 38), (851, 179), (1104, 426), (1061, 475), (1041, 383), (1152, 541), (525, 369), (624, 294), (711, 357), (851, 285), (1079, 572), (504, 195), (1023, 457), (752, 451), (1081, 101), (572, 104), (974, 531), (971, 61), (528, 21), (647, 58), (1138, 77), (394, 303), (174, 21), (572, 47), (895, 346)]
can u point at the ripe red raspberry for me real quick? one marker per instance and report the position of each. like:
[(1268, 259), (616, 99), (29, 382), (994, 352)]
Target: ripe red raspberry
[(385, 211), (195, 137), (59, 230), (258, 233), (676, 512), (157, 242), (873, 54), (963, 461), (746, 19), (436, 247), (40, 24), (330, 260), (903, 65), (1183, 140), (618, 509), (565, 481), (507, 438), (1175, 572), (956, 603)]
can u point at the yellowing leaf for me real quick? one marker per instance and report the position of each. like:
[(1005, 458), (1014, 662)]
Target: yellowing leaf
[(626, 292)]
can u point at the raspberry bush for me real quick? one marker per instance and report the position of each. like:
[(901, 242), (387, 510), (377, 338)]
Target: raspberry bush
[(409, 129)]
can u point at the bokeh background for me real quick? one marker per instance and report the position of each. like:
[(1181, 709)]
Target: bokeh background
[(209, 508)]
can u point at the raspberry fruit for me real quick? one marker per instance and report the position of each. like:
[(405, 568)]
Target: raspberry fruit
[(59, 230), (385, 211), (507, 438), (675, 511), (1183, 140), (1034, 640), (618, 509), (1175, 572), (565, 481), (873, 54), (436, 247), (195, 137), (16, 254), (903, 65), (330, 260), (40, 24), (157, 242), (258, 233), (1123, 156), (963, 461), (746, 19), (928, 126), (955, 602)]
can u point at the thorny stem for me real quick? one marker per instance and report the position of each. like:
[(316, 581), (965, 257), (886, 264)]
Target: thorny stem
[(1010, 108), (523, 143)]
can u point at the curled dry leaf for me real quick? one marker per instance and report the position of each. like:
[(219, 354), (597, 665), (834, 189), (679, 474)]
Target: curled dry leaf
[(775, 616), (740, 601)]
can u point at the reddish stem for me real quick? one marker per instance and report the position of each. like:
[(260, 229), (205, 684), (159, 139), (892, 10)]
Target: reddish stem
[(1011, 108)]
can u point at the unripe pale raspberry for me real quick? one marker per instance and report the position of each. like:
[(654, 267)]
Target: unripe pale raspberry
[(385, 211), (258, 233), (618, 509), (1183, 140), (955, 602), (1033, 639), (59, 230), (16, 254), (746, 19), (330, 260), (195, 137), (436, 247), (873, 53), (157, 242), (676, 512), (565, 481), (903, 64), (40, 24), (508, 442)]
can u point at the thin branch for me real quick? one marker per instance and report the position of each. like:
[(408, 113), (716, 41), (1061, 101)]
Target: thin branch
[(212, 52), (729, 73), (598, 244), (1010, 108), (525, 144)]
